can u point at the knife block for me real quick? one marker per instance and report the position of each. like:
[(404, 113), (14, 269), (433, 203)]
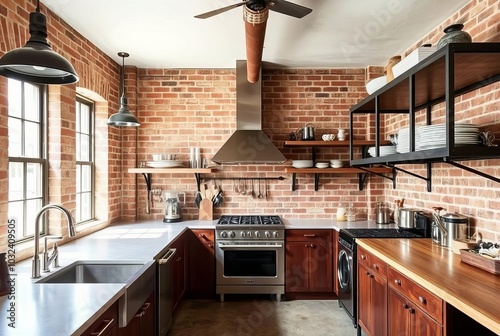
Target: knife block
[(206, 210)]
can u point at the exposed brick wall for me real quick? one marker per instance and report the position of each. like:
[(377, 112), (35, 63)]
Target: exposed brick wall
[(99, 76), (186, 108), (453, 188)]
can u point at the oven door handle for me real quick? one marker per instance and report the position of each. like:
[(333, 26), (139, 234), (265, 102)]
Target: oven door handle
[(166, 258), (227, 246)]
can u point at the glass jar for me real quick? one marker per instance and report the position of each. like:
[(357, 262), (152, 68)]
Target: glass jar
[(350, 213), (341, 212)]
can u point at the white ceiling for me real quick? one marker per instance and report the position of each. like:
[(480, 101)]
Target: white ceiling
[(338, 33)]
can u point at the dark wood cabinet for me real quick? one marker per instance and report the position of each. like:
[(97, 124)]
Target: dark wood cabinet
[(406, 319), (372, 294), (106, 324), (201, 264), (144, 322), (309, 265), (179, 269), (335, 238)]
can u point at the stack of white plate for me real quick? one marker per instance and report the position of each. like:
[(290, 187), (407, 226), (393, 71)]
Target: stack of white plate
[(302, 163), (383, 150), (434, 136), (322, 164), (403, 145), (165, 164), (336, 163), (413, 59)]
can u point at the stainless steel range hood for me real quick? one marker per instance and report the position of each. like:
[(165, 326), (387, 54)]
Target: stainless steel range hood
[(248, 144)]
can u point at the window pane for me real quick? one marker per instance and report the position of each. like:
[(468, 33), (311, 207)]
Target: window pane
[(85, 119), (78, 217), (86, 212), (15, 98), (32, 102), (32, 206), (77, 113), (16, 212), (15, 134), (86, 178), (32, 140), (78, 179), (33, 180), (84, 147), (16, 181), (78, 149)]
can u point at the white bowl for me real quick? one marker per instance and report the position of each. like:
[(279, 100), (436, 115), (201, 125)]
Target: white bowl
[(375, 84)]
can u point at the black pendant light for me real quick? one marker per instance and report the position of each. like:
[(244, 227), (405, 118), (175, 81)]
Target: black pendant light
[(123, 117), (36, 62)]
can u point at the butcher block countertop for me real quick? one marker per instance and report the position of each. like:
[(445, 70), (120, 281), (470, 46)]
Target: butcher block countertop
[(473, 291)]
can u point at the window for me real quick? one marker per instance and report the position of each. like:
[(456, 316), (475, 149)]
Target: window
[(84, 161), (27, 163)]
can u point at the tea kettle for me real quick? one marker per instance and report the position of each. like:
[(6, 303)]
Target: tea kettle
[(308, 132), (173, 205)]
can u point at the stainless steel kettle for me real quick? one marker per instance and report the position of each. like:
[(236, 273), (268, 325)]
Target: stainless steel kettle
[(173, 205)]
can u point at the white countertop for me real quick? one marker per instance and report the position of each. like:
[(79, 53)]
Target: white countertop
[(68, 309)]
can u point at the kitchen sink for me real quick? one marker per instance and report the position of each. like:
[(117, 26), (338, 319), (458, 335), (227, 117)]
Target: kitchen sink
[(138, 277)]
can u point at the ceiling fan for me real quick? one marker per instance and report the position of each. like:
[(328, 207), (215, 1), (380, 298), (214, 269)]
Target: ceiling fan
[(255, 14), (280, 6)]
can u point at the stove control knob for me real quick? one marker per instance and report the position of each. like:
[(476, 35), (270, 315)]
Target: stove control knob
[(249, 233), (232, 234), (268, 234), (223, 234), (257, 234), (243, 234), (275, 234)]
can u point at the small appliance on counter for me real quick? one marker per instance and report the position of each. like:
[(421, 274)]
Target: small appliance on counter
[(452, 226), (173, 205)]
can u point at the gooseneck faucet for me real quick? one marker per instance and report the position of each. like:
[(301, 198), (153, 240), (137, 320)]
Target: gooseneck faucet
[(35, 272)]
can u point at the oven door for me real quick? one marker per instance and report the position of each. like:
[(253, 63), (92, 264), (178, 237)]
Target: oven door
[(250, 263)]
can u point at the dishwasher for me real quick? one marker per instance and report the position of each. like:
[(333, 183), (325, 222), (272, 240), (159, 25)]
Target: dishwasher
[(164, 293)]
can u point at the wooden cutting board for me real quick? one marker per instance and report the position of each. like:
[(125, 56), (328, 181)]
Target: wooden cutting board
[(206, 210)]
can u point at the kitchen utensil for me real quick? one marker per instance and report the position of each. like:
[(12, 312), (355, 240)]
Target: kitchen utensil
[(455, 225), (265, 185), (308, 132), (173, 205), (206, 209), (408, 218), (382, 214), (253, 189), (260, 194), (218, 198)]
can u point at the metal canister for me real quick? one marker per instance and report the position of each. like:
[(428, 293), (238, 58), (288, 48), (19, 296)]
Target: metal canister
[(457, 226)]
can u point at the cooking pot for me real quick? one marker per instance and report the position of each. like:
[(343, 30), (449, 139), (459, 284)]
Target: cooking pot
[(456, 225), (408, 217)]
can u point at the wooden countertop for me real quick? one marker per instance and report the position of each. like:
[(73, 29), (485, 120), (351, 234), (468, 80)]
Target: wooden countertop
[(473, 291)]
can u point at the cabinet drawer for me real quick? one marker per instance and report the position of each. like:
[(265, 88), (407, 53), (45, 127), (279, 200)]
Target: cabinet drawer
[(421, 297), (309, 235), (375, 264), (105, 323), (205, 236)]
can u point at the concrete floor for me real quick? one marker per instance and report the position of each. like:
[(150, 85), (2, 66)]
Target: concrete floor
[(261, 317)]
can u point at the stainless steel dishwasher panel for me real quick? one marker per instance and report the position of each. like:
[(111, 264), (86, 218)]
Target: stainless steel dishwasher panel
[(164, 293)]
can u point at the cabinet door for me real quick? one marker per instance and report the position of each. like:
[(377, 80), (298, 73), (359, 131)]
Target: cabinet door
[(201, 266), (365, 311), (106, 324), (148, 316), (179, 268), (398, 316), (379, 305), (297, 272), (320, 267), (423, 325)]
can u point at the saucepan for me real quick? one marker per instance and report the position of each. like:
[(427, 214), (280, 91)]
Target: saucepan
[(408, 217)]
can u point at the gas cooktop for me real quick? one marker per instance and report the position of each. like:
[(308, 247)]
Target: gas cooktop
[(250, 220), (380, 233)]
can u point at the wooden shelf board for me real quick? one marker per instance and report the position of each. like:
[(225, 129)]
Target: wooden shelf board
[(171, 170), (347, 170), (321, 143)]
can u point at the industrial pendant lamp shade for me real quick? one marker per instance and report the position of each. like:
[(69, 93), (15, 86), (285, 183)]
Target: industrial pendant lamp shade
[(36, 62), (123, 117)]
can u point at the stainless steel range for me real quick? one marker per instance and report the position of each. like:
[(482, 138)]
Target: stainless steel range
[(250, 255)]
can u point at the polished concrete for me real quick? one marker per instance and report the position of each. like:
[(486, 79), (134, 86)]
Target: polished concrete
[(261, 317)]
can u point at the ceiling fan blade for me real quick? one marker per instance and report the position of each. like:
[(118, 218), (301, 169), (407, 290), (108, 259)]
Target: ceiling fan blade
[(220, 10), (289, 8)]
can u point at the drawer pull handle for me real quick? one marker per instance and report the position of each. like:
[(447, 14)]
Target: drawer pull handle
[(412, 311), (363, 257), (310, 235), (397, 282), (405, 306), (312, 245), (108, 324), (367, 273), (422, 299), (371, 276), (210, 245), (376, 266)]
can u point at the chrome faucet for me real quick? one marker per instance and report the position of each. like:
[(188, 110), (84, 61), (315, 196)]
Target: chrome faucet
[(35, 271), (54, 257)]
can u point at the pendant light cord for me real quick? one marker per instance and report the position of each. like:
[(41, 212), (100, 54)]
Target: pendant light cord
[(38, 6), (123, 76)]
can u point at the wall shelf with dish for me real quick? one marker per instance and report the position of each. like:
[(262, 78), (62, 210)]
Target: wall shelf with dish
[(451, 71), (363, 172)]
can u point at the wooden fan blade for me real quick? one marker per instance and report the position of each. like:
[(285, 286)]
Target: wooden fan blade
[(220, 10), (289, 8)]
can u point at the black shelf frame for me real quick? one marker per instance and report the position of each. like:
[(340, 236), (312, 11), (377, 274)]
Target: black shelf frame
[(465, 67)]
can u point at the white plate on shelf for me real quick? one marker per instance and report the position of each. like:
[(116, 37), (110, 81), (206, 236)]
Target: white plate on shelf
[(163, 164)]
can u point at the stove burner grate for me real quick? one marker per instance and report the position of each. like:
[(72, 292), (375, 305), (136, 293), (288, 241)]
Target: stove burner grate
[(250, 220)]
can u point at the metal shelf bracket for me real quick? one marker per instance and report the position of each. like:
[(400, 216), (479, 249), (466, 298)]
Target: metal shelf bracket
[(474, 171), (428, 179), (363, 177)]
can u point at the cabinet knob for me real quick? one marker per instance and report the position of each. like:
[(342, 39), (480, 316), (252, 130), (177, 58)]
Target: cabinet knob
[(363, 257), (397, 282), (422, 299), (306, 245), (376, 266), (368, 273), (405, 306), (411, 310), (210, 245), (312, 245), (371, 276)]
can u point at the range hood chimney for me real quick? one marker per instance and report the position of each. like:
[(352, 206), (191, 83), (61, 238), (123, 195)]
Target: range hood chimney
[(248, 144)]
